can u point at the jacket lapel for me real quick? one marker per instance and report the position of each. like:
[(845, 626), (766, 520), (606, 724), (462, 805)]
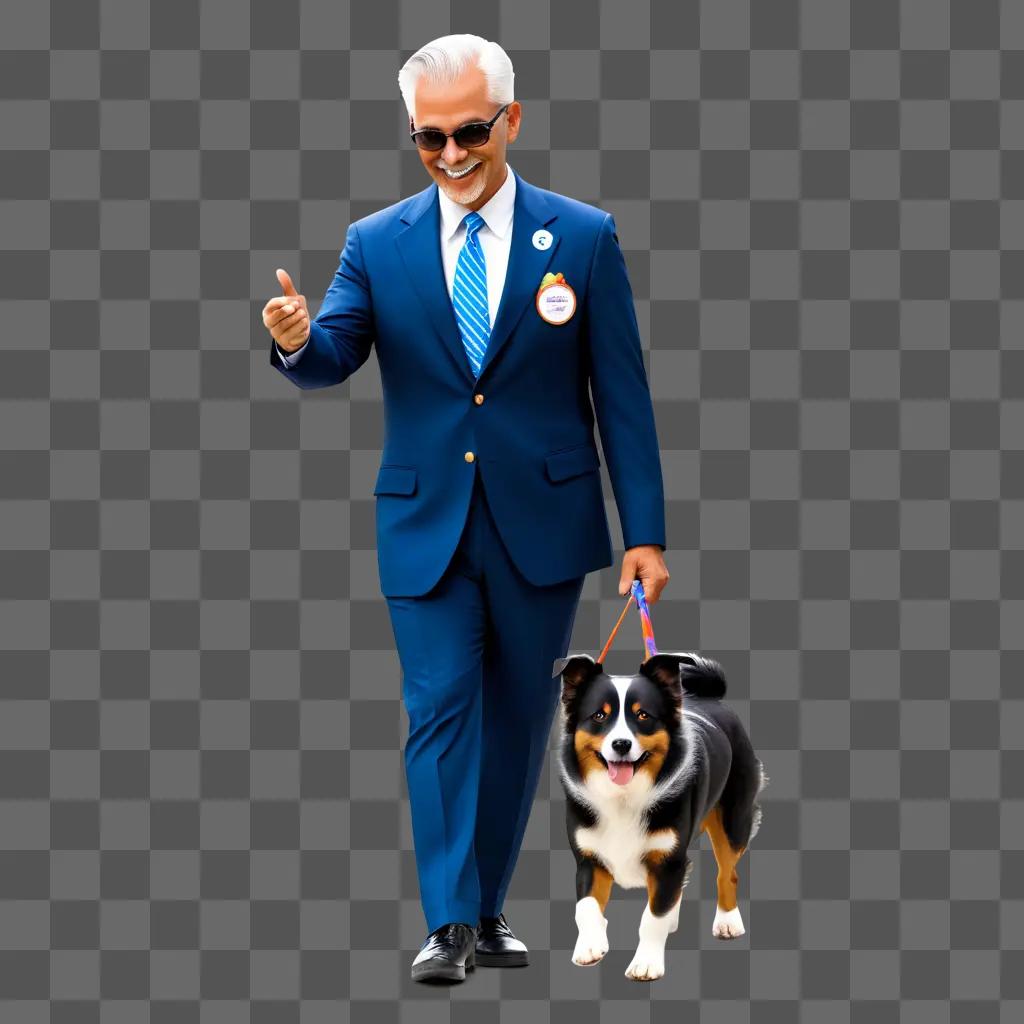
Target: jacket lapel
[(420, 248)]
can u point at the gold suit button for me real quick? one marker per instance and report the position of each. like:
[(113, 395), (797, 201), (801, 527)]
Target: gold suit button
[(478, 399), (469, 456)]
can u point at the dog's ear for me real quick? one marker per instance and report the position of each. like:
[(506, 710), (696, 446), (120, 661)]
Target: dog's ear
[(576, 669), (665, 667)]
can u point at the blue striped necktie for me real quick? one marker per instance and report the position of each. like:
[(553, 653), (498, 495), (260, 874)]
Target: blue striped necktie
[(469, 294)]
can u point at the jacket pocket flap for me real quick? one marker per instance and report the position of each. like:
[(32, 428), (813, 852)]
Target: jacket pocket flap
[(564, 464), (395, 480)]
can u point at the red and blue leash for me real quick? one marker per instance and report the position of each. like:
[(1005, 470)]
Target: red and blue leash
[(636, 594)]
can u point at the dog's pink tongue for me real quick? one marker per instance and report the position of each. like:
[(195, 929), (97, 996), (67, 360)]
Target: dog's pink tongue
[(620, 772)]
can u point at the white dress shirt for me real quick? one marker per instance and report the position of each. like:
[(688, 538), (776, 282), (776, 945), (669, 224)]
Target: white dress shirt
[(495, 240)]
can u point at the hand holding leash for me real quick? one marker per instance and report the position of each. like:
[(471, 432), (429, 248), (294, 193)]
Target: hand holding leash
[(644, 562)]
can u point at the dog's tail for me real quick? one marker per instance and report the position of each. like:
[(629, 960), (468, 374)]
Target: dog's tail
[(703, 677)]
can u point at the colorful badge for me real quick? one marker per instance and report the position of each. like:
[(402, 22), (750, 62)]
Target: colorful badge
[(556, 301)]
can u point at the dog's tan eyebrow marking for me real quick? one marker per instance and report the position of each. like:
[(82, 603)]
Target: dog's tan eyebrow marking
[(636, 705), (606, 708)]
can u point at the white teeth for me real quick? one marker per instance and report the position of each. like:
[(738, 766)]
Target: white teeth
[(461, 175)]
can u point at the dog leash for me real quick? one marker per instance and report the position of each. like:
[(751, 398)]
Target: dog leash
[(646, 629)]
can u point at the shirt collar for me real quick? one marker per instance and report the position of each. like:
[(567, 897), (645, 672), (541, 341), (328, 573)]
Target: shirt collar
[(496, 212)]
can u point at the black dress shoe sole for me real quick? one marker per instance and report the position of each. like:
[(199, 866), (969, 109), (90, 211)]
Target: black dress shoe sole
[(440, 969), (514, 958)]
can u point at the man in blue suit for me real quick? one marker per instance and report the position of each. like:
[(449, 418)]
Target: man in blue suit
[(490, 509)]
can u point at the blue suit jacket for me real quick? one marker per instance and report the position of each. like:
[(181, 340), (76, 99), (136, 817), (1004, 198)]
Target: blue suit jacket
[(527, 420)]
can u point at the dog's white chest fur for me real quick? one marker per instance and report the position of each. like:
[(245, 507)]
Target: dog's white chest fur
[(620, 840)]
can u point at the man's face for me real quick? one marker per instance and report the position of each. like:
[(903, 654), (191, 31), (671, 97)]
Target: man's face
[(449, 107)]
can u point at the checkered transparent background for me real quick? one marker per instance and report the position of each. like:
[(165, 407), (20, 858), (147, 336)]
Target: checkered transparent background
[(203, 813)]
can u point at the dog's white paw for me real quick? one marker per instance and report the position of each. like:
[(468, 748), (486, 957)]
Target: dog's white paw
[(591, 946), (728, 924), (592, 941), (647, 964)]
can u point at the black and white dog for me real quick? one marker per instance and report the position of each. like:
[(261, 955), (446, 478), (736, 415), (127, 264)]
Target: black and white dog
[(648, 762)]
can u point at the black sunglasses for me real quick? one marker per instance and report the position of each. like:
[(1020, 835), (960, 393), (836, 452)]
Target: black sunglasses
[(468, 136)]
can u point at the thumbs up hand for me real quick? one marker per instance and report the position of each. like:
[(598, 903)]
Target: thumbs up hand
[(286, 316)]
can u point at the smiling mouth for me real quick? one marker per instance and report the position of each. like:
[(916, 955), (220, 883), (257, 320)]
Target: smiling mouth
[(462, 176), (622, 772), (639, 760)]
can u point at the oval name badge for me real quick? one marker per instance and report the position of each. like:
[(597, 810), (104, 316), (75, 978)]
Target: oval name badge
[(556, 302)]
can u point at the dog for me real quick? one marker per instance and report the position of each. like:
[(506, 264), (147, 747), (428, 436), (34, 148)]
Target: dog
[(648, 762)]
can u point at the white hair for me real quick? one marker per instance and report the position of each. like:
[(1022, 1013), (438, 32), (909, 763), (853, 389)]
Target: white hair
[(444, 60)]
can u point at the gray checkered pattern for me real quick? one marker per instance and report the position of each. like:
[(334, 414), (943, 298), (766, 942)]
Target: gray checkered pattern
[(203, 814)]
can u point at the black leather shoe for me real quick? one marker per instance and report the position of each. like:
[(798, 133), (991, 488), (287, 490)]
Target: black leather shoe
[(446, 955), (496, 946)]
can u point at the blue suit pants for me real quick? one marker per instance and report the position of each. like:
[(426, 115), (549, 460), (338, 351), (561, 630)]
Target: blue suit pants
[(476, 653)]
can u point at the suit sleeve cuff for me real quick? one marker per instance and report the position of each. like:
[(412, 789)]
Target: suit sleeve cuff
[(291, 358)]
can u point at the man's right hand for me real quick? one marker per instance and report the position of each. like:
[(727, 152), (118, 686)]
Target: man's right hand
[(286, 316)]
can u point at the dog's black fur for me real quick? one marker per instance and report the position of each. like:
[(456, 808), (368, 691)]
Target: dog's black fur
[(709, 758)]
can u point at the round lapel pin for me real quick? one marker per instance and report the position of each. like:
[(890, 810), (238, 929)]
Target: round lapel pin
[(542, 239), (556, 301)]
